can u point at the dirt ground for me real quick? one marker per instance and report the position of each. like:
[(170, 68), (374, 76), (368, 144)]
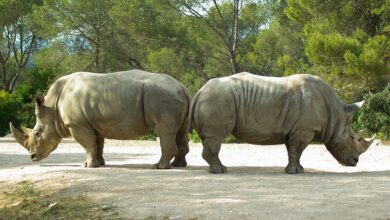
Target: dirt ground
[(255, 186)]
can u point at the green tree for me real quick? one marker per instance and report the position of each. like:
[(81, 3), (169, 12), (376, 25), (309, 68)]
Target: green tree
[(224, 26), (18, 40), (346, 42), (84, 25), (276, 52)]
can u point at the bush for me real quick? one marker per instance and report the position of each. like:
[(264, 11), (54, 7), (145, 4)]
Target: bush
[(7, 111), (194, 137), (18, 107), (375, 114)]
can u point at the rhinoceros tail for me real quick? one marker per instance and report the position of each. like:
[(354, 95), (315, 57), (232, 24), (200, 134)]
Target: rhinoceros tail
[(186, 126), (192, 108)]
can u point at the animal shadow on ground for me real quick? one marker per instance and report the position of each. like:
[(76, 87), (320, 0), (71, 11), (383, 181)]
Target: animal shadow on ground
[(256, 171)]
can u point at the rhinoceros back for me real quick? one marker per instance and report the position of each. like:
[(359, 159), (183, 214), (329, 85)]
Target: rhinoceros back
[(121, 105)]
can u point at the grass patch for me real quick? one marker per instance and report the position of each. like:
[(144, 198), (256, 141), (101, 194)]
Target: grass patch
[(25, 201), (194, 137)]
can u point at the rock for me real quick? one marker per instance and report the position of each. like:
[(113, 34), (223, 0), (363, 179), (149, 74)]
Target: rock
[(105, 208), (53, 205)]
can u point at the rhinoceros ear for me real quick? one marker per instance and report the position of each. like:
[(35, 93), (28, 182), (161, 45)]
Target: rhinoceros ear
[(40, 99), (351, 108)]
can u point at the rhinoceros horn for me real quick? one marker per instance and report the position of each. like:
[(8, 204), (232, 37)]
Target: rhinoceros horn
[(19, 137), (360, 134), (365, 144)]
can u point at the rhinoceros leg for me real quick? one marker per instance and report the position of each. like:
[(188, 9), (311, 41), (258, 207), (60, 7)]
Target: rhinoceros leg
[(182, 144), (86, 137), (295, 146), (168, 151), (100, 146), (211, 147)]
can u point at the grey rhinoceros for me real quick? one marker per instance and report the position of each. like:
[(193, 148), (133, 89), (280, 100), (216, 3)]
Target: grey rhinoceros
[(294, 111), (123, 105)]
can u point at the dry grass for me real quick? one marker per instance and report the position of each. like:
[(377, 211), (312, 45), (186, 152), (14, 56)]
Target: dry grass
[(26, 201)]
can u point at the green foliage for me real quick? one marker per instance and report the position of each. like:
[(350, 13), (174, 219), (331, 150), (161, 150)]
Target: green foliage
[(372, 59), (151, 136), (18, 107), (7, 109), (375, 114), (167, 61), (330, 48), (345, 42), (194, 137), (61, 60), (274, 51)]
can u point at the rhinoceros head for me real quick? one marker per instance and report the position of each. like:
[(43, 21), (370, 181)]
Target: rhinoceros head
[(43, 138), (346, 145)]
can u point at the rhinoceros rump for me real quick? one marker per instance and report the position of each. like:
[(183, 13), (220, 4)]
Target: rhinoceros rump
[(123, 105), (294, 111)]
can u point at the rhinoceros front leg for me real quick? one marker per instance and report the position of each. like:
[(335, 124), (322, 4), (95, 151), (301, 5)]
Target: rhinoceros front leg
[(295, 146), (294, 155), (168, 151), (211, 147), (86, 137)]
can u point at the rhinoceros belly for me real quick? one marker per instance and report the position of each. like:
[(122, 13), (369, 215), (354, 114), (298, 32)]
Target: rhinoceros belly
[(259, 136)]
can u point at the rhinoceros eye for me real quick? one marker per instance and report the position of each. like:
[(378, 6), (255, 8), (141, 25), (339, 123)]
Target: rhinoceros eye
[(36, 132), (352, 137)]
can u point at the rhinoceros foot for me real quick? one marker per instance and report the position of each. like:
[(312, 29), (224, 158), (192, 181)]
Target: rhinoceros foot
[(101, 161), (179, 163), (294, 169), (162, 166), (91, 163), (217, 169)]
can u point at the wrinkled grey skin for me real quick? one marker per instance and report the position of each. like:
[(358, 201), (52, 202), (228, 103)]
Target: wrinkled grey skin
[(124, 105), (293, 110)]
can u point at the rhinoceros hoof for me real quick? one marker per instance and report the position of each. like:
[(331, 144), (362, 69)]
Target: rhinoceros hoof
[(161, 166), (91, 164), (179, 163), (294, 169), (217, 169), (101, 162)]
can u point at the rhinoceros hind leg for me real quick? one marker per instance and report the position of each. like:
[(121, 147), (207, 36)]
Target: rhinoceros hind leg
[(211, 147), (183, 149), (293, 168), (91, 163), (100, 146), (168, 151), (179, 162)]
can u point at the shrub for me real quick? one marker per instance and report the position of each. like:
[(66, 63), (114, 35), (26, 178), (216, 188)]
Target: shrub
[(7, 111), (375, 114)]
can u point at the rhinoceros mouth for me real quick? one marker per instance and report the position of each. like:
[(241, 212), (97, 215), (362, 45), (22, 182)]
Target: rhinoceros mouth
[(34, 157), (352, 161)]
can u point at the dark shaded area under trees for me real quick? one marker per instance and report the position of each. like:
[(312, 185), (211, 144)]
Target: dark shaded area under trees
[(346, 42)]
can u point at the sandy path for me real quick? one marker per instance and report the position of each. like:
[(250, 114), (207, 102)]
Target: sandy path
[(255, 186)]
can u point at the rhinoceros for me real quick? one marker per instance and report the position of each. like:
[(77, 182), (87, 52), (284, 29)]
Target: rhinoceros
[(124, 105), (294, 111)]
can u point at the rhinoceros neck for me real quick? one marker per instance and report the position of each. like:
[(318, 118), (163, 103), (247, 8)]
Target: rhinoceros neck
[(54, 96), (334, 115)]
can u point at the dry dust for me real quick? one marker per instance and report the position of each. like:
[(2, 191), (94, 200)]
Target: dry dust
[(255, 186)]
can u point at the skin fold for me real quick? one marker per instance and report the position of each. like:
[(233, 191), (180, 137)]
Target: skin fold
[(125, 105), (294, 111)]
